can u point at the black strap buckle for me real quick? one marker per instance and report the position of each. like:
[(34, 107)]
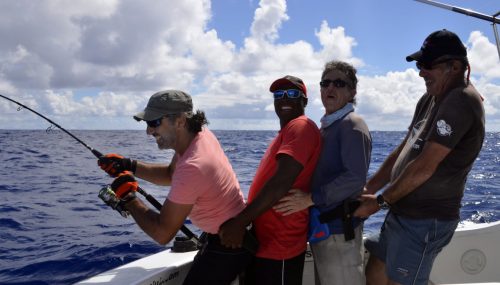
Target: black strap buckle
[(343, 212)]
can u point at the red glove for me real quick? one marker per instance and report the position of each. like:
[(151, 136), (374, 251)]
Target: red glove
[(114, 164), (123, 184)]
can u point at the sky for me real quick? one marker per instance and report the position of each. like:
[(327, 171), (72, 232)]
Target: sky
[(92, 64)]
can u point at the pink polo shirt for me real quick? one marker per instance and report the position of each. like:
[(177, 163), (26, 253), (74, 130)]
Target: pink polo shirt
[(204, 178)]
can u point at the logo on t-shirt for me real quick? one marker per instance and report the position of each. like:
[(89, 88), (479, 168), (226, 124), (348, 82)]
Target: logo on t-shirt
[(443, 128)]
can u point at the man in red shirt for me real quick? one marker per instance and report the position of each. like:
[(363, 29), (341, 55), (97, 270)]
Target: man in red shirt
[(288, 163)]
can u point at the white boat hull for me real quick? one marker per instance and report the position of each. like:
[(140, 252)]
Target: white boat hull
[(472, 257), (164, 268)]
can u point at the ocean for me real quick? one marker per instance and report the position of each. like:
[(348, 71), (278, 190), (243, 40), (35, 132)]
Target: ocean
[(55, 230)]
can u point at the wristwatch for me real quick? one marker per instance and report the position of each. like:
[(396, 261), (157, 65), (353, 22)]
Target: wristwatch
[(382, 204)]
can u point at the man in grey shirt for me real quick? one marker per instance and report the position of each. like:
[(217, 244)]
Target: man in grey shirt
[(424, 178)]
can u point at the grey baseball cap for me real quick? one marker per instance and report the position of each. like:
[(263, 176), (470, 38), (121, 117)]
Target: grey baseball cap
[(165, 102)]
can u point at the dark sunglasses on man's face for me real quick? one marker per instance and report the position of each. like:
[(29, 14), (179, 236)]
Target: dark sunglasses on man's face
[(430, 65), (154, 123), (338, 83), (290, 93)]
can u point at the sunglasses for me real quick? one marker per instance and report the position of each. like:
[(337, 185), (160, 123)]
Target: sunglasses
[(154, 123), (430, 65), (338, 83), (290, 93)]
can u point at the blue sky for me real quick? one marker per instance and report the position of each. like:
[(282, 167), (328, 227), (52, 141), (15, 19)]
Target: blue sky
[(386, 31), (92, 64)]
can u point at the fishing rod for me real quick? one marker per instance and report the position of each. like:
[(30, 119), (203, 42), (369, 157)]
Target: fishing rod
[(493, 19), (98, 154), (95, 152)]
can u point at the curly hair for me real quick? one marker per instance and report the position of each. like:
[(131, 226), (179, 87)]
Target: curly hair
[(195, 121), (347, 69)]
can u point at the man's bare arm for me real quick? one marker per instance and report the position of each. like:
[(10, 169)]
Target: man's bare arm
[(415, 174), (163, 226), (159, 174), (417, 171), (383, 174), (233, 230)]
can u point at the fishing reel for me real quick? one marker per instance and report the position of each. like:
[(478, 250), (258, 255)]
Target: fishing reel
[(109, 197)]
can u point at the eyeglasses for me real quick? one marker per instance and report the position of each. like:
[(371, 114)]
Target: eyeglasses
[(430, 65), (338, 83), (290, 93), (155, 123)]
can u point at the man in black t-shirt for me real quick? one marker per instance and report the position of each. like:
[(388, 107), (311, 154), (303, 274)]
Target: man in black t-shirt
[(424, 178)]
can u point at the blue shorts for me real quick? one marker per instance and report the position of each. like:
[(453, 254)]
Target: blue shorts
[(408, 247)]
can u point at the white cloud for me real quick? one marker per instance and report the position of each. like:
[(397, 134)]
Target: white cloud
[(21, 67), (336, 44), (483, 56), (491, 92), (127, 50), (268, 19)]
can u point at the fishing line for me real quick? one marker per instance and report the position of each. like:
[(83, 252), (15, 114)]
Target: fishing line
[(98, 154), (95, 152)]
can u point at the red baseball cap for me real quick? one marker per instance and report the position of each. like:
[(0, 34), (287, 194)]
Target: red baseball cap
[(288, 81)]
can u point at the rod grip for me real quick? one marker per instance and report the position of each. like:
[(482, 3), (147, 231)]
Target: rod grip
[(96, 152)]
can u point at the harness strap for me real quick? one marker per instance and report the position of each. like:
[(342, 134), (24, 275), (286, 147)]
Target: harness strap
[(343, 212)]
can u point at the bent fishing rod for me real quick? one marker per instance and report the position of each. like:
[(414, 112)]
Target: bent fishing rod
[(95, 152), (98, 154)]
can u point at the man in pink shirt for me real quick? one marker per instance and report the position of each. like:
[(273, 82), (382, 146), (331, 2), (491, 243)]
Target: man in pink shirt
[(288, 163), (202, 184)]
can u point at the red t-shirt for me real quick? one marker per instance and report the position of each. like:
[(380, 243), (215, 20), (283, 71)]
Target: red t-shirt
[(284, 237)]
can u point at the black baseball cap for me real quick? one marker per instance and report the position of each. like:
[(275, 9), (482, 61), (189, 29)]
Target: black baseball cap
[(438, 44)]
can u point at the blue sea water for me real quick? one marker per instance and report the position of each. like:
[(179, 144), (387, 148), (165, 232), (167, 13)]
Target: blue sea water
[(55, 230)]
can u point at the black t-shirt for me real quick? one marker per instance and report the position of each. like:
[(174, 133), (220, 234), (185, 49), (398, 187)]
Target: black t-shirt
[(457, 122)]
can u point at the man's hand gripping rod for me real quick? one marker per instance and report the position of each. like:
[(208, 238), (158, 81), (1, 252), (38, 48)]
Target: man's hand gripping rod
[(157, 205), (98, 154)]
